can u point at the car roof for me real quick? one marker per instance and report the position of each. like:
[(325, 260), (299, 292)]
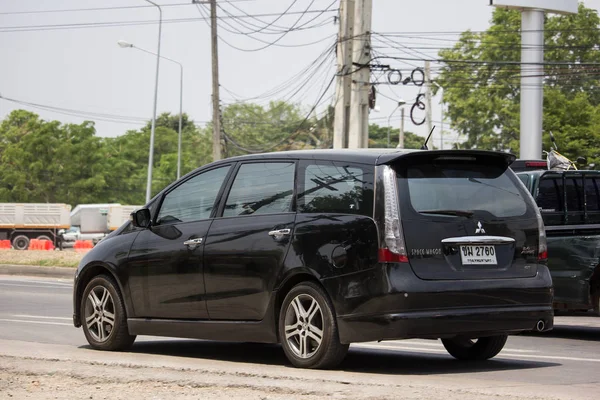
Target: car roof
[(539, 172), (372, 156), (366, 156)]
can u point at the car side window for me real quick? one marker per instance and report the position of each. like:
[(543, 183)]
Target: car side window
[(261, 188), (328, 187), (591, 193), (194, 199), (550, 194), (573, 187)]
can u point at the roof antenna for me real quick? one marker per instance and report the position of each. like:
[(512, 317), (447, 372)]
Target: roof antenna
[(424, 147)]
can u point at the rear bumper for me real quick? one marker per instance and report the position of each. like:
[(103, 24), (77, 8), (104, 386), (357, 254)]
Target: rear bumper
[(474, 323), (391, 302)]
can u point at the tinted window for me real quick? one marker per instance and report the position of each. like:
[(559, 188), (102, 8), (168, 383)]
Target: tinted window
[(464, 187), (591, 194), (550, 194), (261, 188), (525, 179), (336, 188), (573, 187), (194, 199)]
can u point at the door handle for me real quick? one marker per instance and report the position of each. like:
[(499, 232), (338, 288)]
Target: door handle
[(277, 234), (193, 242)]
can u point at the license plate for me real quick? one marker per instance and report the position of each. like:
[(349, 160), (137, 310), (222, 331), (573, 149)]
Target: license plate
[(478, 255)]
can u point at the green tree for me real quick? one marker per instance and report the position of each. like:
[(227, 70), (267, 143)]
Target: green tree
[(279, 126), (482, 83), (44, 161), (378, 138)]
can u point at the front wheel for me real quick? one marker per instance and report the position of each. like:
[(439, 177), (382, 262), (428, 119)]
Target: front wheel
[(475, 349), (103, 316), (308, 329)]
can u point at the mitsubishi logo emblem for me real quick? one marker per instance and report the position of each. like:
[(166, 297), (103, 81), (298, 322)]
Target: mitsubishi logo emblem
[(480, 228)]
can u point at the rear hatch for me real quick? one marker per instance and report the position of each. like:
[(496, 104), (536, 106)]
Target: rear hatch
[(466, 216)]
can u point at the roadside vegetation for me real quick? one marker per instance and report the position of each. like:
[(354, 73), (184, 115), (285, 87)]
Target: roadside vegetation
[(67, 258)]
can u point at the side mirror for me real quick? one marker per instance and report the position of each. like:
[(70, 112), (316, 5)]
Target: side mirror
[(141, 218)]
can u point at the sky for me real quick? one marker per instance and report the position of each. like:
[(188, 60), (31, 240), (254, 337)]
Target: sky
[(76, 67)]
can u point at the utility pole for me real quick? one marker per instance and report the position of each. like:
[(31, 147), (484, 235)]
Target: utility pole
[(428, 95), (532, 66), (401, 136), (442, 122), (215, 82), (361, 57), (344, 78)]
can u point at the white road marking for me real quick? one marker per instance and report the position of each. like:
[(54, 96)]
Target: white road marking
[(36, 286), (35, 322), (40, 316), (503, 354), (64, 282)]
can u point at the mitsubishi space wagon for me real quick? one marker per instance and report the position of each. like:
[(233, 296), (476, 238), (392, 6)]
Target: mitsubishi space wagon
[(319, 249)]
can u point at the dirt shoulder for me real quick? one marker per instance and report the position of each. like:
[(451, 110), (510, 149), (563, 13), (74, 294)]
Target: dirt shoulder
[(43, 371)]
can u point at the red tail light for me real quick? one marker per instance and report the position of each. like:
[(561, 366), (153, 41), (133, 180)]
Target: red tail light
[(392, 248), (536, 164), (387, 256), (543, 256)]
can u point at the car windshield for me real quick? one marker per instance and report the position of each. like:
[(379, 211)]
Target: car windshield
[(459, 189)]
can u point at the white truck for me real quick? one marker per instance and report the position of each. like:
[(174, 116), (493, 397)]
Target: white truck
[(95, 221), (21, 222)]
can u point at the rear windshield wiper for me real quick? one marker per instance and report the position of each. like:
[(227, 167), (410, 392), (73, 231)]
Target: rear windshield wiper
[(457, 213)]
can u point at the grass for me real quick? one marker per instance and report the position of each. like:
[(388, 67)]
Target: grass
[(65, 258)]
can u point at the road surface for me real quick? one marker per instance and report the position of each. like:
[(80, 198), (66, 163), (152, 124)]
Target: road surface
[(43, 356)]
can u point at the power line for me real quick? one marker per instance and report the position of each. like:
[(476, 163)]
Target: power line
[(268, 44), (35, 28), (105, 8), (290, 136)]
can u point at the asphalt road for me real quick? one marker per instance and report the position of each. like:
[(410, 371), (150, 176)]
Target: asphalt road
[(35, 319)]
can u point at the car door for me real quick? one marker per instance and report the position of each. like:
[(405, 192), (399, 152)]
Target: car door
[(165, 264), (247, 245)]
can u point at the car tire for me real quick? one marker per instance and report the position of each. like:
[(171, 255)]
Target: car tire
[(306, 315), (475, 350), (103, 316), (20, 242)]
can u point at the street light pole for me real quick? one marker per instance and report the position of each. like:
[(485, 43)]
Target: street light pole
[(153, 128), (390, 117), (400, 104), (125, 44), (442, 115), (180, 118)]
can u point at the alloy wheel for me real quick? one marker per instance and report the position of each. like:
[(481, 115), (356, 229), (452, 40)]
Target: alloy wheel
[(100, 313), (304, 326)]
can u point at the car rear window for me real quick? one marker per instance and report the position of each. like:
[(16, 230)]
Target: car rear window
[(464, 187)]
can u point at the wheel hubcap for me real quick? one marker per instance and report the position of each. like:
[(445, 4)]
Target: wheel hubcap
[(304, 326), (99, 314)]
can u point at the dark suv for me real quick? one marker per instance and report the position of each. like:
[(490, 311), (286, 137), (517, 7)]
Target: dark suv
[(320, 249), (570, 205)]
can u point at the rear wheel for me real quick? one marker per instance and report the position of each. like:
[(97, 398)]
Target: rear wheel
[(103, 316), (20, 242), (44, 237), (484, 348), (308, 329)]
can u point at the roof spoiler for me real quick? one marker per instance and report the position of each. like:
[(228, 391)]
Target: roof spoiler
[(490, 157)]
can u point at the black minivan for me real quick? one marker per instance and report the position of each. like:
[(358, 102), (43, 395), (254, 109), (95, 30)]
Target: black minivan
[(319, 249)]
